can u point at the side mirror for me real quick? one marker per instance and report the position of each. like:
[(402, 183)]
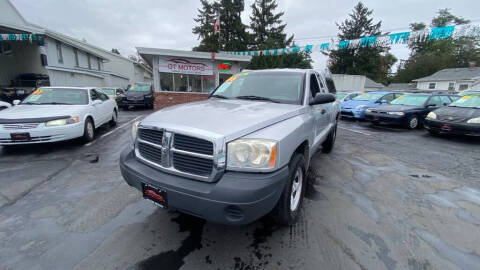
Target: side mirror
[(96, 102), (16, 102), (322, 98)]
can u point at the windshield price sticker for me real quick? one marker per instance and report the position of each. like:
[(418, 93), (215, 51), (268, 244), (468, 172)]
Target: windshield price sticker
[(466, 97), (400, 96), (231, 79), (37, 92)]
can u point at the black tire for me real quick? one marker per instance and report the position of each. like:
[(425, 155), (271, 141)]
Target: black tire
[(113, 121), (88, 131), (413, 122), (327, 145), (282, 213)]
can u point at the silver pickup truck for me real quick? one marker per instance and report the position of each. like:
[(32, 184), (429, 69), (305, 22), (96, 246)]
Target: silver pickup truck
[(242, 153)]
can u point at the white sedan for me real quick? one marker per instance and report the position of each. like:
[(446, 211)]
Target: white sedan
[(53, 114)]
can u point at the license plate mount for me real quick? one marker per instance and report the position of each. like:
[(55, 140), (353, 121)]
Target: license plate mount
[(24, 136), (157, 195)]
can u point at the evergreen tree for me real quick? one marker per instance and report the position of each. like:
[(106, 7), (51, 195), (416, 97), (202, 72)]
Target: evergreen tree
[(430, 56), (370, 61), (206, 20), (269, 33), (233, 34)]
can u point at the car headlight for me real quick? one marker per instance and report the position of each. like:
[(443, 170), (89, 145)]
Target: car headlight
[(474, 121), (361, 106), (431, 115), (396, 113), (134, 130), (368, 110), (252, 154), (62, 122)]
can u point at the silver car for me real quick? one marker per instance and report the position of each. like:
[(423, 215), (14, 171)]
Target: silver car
[(240, 154)]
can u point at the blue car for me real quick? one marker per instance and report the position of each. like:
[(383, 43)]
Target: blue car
[(355, 108)]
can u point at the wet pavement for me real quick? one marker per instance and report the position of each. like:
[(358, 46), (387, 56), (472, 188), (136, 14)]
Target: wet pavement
[(385, 198)]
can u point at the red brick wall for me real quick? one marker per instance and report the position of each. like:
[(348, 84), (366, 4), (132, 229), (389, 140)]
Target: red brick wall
[(165, 99)]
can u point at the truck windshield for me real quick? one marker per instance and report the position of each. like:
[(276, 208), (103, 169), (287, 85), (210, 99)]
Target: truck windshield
[(280, 87)]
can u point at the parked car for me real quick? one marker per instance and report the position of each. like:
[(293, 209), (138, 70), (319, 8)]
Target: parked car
[(138, 94), (52, 114), (23, 85), (460, 117), (242, 153), (344, 96), (408, 110), (114, 93), (355, 108), (4, 105)]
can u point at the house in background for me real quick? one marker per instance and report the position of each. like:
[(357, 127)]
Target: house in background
[(355, 83), (400, 87), (29, 48), (451, 79)]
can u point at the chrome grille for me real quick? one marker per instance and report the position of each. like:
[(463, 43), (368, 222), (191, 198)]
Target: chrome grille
[(177, 153), (192, 144), (20, 126)]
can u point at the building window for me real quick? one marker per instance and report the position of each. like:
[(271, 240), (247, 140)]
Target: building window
[(99, 63), (59, 52), (75, 55), (463, 87), (451, 86), (5, 48), (89, 61), (432, 86)]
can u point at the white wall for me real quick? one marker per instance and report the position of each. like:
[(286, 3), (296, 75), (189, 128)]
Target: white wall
[(349, 83), (25, 57), (65, 78), (442, 85)]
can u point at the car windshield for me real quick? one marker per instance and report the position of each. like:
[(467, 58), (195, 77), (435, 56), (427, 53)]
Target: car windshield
[(282, 87), (368, 97), (410, 100), (67, 96), (108, 91), (341, 95), (471, 101), (139, 87)]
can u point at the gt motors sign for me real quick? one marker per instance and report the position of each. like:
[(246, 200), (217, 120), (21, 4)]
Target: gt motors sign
[(185, 66)]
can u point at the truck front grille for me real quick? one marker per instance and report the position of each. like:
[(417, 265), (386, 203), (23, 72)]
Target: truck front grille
[(149, 152), (192, 144), (151, 135), (193, 165)]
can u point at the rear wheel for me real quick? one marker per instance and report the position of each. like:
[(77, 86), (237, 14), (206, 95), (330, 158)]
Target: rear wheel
[(113, 121), (288, 208), (413, 122), (327, 145), (88, 131)]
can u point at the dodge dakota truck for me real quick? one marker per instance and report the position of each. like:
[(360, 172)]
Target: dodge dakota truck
[(242, 153)]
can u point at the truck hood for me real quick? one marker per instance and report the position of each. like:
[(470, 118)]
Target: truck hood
[(40, 111), (230, 119)]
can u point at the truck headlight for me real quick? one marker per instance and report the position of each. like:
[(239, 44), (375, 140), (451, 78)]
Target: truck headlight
[(251, 154), (361, 106), (474, 121), (62, 122), (396, 113), (134, 130), (431, 115)]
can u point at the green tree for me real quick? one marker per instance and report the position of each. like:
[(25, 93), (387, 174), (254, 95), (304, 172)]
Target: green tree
[(430, 56), (233, 34), (206, 20), (371, 61), (268, 32)]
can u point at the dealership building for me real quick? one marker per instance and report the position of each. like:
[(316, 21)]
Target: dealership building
[(184, 76)]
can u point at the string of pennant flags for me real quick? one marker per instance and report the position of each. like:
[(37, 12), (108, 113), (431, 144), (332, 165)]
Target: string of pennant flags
[(20, 37), (407, 37)]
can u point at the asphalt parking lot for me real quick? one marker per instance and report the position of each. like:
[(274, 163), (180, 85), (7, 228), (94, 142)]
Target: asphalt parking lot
[(385, 198)]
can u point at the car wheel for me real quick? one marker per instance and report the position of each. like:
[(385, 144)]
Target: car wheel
[(327, 145), (88, 131), (413, 122), (288, 208), (113, 121)]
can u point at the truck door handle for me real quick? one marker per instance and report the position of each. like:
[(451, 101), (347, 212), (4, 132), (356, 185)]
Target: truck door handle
[(324, 111)]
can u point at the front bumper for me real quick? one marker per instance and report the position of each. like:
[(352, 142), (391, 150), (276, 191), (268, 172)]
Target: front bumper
[(352, 113), (386, 118), (134, 103), (236, 199), (42, 134), (452, 128)]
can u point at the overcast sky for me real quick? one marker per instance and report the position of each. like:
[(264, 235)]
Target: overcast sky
[(126, 24)]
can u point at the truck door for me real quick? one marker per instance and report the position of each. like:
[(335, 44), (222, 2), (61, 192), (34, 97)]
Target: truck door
[(320, 112)]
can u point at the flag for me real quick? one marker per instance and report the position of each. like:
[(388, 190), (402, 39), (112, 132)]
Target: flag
[(216, 27)]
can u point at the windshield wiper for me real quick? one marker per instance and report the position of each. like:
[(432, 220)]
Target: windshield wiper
[(29, 103), (257, 98), (220, 96)]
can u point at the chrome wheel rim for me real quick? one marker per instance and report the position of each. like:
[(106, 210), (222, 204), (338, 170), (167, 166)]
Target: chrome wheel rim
[(90, 130), (413, 122), (296, 189)]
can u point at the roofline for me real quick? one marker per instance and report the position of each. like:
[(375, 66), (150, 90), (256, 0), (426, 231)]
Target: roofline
[(18, 12), (425, 79), (192, 54)]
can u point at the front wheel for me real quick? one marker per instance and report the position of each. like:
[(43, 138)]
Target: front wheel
[(327, 145), (413, 122), (288, 208), (88, 131)]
